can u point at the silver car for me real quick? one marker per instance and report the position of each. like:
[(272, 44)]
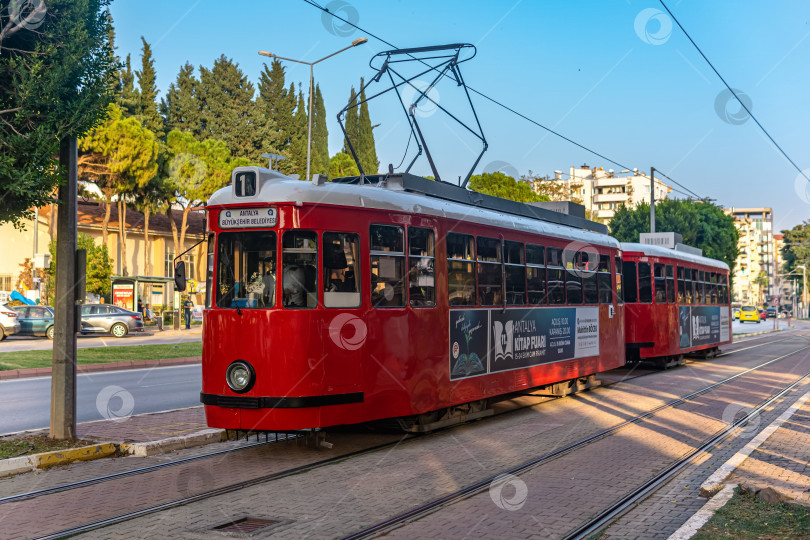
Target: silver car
[(105, 318), (9, 324)]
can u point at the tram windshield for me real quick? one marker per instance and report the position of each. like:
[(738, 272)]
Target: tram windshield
[(246, 269)]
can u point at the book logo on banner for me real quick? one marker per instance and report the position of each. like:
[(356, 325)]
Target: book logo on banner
[(504, 335)]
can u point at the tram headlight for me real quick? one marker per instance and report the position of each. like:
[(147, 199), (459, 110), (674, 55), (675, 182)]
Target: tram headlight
[(240, 376)]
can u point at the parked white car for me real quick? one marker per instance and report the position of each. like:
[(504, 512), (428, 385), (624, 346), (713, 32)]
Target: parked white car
[(8, 322)]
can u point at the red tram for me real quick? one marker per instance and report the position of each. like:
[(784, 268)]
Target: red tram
[(396, 297), (676, 303)]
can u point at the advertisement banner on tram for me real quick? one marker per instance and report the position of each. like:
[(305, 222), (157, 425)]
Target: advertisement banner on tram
[(490, 341), (702, 325)]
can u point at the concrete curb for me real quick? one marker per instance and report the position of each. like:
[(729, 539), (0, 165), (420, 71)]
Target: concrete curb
[(759, 333), (110, 366), (44, 460), (200, 438), (23, 464)]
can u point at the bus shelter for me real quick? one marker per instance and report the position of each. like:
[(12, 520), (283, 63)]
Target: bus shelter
[(157, 291)]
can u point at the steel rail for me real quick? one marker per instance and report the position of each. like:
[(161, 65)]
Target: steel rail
[(484, 484), (124, 474), (65, 533)]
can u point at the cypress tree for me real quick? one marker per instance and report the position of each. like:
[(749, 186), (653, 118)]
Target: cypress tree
[(181, 107), (277, 109), (128, 99), (298, 145), (352, 126), (147, 108), (367, 153), (320, 135)]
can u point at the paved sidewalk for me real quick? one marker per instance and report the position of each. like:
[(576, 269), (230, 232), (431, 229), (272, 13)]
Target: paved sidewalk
[(782, 461), (145, 427)]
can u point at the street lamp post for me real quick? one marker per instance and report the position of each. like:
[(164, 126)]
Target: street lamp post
[(804, 286), (355, 43)]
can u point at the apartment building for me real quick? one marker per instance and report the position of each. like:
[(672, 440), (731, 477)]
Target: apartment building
[(602, 191), (757, 262)]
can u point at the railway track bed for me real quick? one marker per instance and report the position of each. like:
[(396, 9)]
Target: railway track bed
[(361, 490)]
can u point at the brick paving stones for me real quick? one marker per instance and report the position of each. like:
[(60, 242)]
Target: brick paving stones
[(338, 499)]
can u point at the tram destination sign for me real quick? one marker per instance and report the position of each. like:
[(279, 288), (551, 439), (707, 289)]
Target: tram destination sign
[(489, 341), (247, 218)]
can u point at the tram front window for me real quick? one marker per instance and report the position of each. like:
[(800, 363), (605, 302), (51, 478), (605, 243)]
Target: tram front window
[(246, 269), (299, 277)]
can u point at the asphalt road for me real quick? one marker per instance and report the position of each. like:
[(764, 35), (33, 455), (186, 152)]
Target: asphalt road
[(738, 327), (28, 343), (25, 403)]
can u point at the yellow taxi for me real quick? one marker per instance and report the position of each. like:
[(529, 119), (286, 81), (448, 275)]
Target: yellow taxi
[(749, 313)]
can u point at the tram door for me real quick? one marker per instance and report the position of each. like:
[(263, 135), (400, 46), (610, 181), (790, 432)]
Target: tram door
[(347, 331)]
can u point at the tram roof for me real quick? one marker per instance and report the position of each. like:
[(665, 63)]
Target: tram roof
[(658, 251), (394, 195)]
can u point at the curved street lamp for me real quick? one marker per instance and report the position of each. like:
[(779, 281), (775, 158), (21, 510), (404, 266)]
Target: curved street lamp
[(355, 43)]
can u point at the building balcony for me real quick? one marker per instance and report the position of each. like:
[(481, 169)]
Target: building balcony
[(611, 197)]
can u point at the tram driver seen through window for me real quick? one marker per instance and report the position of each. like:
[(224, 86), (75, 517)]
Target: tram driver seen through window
[(299, 277)]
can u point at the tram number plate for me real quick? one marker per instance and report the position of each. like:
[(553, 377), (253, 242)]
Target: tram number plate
[(247, 217)]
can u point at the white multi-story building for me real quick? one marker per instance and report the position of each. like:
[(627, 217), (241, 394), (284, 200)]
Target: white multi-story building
[(756, 268), (603, 191)]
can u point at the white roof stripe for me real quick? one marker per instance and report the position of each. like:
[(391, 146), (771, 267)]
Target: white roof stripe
[(658, 251), (275, 188)]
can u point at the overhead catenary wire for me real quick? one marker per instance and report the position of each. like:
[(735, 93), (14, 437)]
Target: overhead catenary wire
[(747, 110), (491, 99), (691, 193)]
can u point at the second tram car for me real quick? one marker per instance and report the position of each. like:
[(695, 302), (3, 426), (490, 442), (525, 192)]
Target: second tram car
[(364, 299), (676, 303)]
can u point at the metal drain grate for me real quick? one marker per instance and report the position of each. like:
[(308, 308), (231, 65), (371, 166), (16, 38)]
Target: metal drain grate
[(245, 525)]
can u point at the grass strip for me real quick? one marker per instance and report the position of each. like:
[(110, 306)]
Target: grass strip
[(101, 355), (746, 517), (34, 444)]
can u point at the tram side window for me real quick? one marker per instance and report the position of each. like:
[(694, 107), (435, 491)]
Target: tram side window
[(490, 276), (681, 286), (604, 280), (461, 269), (209, 275), (555, 272), (536, 274), (515, 271), (660, 283), (421, 267), (724, 281), (590, 267), (630, 282), (701, 287), (715, 287), (341, 269), (573, 276), (644, 283), (299, 274), (670, 284), (619, 280), (246, 269), (387, 266)]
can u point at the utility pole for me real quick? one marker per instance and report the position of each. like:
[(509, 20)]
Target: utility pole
[(652, 199), (63, 380)]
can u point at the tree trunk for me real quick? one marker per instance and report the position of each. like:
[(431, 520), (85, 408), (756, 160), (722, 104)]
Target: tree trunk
[(147, 258), (170, 214), (107, 202), (183, 227), (122, 234)]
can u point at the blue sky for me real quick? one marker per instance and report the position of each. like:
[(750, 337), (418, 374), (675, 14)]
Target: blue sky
[(643, 98)]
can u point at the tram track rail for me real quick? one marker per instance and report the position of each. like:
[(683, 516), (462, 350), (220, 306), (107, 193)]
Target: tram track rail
[(623, 504), (308, 467)]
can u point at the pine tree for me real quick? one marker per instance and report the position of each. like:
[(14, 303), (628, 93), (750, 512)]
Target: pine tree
[(181, 108), (228, 112), (367, 153), (320, 136), (352, 125), (128, 99), (147, 109)]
